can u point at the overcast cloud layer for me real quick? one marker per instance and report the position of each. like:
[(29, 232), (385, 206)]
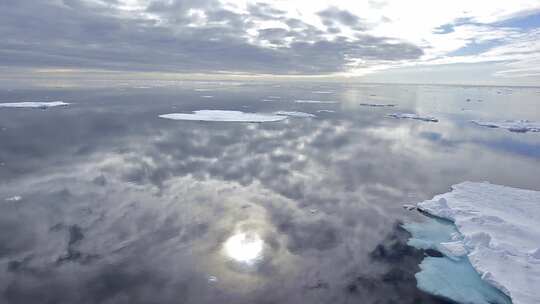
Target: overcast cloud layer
[(273, 37)]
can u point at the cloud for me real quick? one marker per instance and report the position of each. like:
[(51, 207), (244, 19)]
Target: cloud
[(181, 36), (263, 37)]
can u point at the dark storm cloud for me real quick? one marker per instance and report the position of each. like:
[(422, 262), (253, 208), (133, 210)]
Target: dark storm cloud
[(76, 34)]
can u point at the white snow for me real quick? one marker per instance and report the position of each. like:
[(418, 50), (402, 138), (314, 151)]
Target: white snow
[(33, 104), (314, 101), (501, 231), (294, 114), (511, 125), (413, 116), (377, 105), (227, 116)]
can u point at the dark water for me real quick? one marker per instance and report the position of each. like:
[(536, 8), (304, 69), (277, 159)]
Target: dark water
[(119, 206)]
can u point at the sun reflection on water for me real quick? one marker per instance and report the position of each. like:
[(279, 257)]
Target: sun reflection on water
[(245, 248)]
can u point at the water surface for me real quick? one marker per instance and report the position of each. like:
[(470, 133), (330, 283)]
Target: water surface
[(116, 205)]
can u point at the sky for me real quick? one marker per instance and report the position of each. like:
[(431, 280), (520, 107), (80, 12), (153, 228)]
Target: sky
[(416, 41)]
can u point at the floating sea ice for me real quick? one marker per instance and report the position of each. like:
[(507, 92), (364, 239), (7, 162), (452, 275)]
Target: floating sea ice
[(33, 104), (207, 96), (500, 230), (456, 280), (413, 116), (225, 116), (294, 114), (326, 111), (322, 92), (519, 126), (445, 274), (15, 198), (377, 105), (274, 97), (314, 101)]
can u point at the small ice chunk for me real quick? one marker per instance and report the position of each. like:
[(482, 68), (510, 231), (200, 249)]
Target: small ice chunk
[(314, 101), (207, 96), (225, 116), (409, 207), (212, 279), (519, 126), (202, 90), (322, 92), (273, 97), (413, 116), (377, 105), (326, 111), (453, 249), (15, 198), (33, 104), (294, 114)]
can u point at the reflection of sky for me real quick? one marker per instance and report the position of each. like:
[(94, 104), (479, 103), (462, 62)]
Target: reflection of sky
[(145, 210)]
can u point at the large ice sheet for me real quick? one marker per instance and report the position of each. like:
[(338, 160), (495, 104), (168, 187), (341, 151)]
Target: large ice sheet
[(413, 116), (501, 231), (520, 126), (451, 275), (227, 116), (33, 104)]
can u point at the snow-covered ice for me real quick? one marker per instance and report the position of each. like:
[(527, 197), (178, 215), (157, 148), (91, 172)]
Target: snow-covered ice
[(33, 104), (314, 101), (377, 105), (511, 125), (413, 116), (294, 114), (451, 276), (226, 116), (500, 230)]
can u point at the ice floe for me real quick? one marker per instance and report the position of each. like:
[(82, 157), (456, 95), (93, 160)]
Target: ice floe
[(33, 104), (499, 228), (377, 105), (15, 198), (413, 116), (226, 116), (444, 274), (520, 126), (326, 111), (314, 101), (294, 114)]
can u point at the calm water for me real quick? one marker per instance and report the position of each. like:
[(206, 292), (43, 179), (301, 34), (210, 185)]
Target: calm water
[(104, 202)]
